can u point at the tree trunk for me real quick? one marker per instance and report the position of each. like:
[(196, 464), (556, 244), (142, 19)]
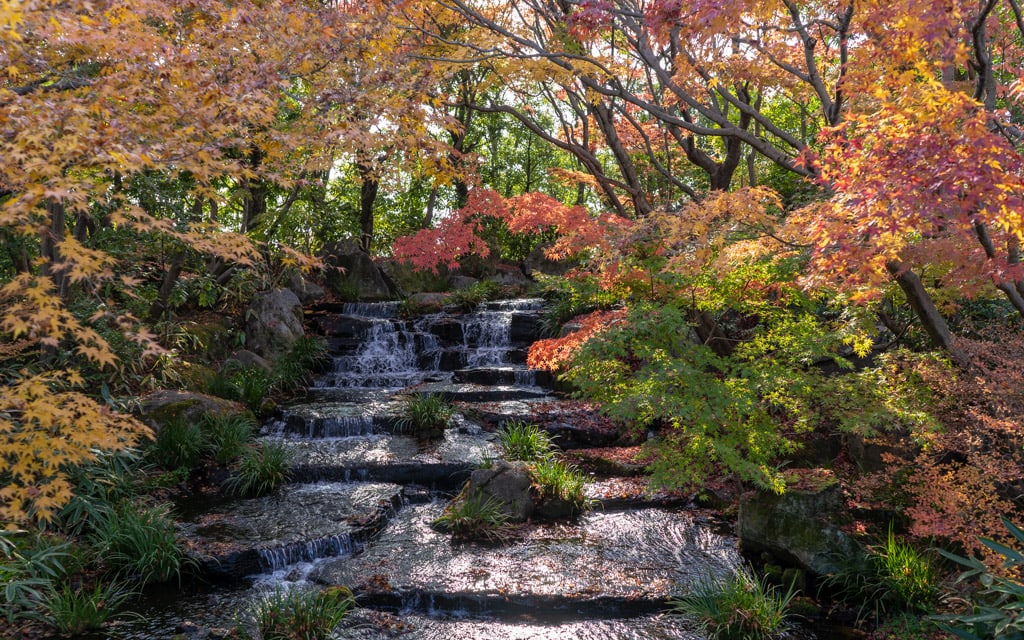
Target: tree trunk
[(932, 321), (367, 196), (53, 235)]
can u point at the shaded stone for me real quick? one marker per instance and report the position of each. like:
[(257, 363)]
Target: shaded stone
[(799, 527), (273, 323), (354, 274), (306, 290), (508, 483), (245, 359), (459, 282), (161, 407)]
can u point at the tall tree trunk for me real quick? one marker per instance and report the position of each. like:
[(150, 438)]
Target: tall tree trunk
[(53, 235), (367, 196), (932, 321)]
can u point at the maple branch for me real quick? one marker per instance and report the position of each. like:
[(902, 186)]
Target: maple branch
[(653, 157)]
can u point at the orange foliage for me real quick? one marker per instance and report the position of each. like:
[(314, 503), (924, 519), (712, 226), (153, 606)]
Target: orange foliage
[(554, 354)]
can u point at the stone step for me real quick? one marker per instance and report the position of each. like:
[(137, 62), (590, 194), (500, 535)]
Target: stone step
[(503, 376)]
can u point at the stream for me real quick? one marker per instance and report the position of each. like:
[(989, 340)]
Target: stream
[(362, 497)]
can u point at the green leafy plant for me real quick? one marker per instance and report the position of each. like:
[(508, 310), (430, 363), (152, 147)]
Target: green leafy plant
[(474, 517), (737, 607), (997, 608), (426, 415), (523, 441), (227, 435), (252, 385), (892, 577), (469, 299), (291, 370), (177, 444), (262, 469), (27, 574), (298, 614), (557, 479), (76, 611), (109, 480), (140, 544)]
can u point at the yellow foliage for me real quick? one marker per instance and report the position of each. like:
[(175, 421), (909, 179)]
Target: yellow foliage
[(45, 429)]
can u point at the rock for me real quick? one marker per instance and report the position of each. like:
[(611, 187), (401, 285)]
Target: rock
[(458, 282), (538, 263), (245, 359), (307, 291), (509, 484), (354, 274), (274, 323), (799, 527), (427, 302), (161, 407)]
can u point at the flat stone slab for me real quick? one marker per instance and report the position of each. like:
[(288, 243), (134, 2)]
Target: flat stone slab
[(573, 424), (335, 419), (235, 538), (606, 564), (443, 463)]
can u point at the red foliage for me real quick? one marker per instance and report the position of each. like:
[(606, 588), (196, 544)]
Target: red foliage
[(554, 354)]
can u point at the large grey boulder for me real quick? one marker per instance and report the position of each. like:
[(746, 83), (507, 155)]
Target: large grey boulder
[(306, 290), (508, 483), (353, 274), (167, 405), (800, 527), (273, 323)]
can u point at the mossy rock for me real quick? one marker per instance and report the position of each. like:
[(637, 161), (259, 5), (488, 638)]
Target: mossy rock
[(164, 406)]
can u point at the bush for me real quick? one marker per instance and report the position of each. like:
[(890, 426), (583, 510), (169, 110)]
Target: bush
[(892, 577), (522, 441), (301, 615), (140, 544), (996, 608), (227, 436), (75, 611), (178, 444), (28, 574), (474, 518), (262, 469), (737, 607), (426, 416), (556, 479)]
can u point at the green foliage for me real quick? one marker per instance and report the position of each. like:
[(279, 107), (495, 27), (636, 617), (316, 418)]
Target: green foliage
[(997, 607), (568, 298), (469, 299), (111, 479), (252, 385), (523, 441), (76, 611), (227, 435), (262, 468), (426, 415), (298, 614), (892, 577), (554, 478), (27, 573), (291, 370), (474, 518), (178, 444), (140, 544), (737, 607)]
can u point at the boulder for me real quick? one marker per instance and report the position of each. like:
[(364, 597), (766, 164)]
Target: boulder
[(353, 274), (273, 323), (161, 407), (508, 483), (307, 291), (245, 359), (459, 282), (800, 527)]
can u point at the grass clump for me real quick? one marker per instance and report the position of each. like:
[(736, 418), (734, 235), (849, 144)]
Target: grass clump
[(27, 572), (76, 611), (737, 607), (227, 436), (426, 415), (471, 297), (555, 479), (298, 614), (475, 517), (892, 577), (523, 441), (140, 544), (261, 469), (178, 444)]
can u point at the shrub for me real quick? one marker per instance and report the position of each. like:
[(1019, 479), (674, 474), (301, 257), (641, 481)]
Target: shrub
[(474, 518), (996, 608), (426, 415), (75, 611), (522, 441), (261, 469), (300, 614), (227, 435), (892, 577), (27, 574), (140, 544), (556, 479), (469, 299), (178, 444), (291, 370), (737, 607)]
